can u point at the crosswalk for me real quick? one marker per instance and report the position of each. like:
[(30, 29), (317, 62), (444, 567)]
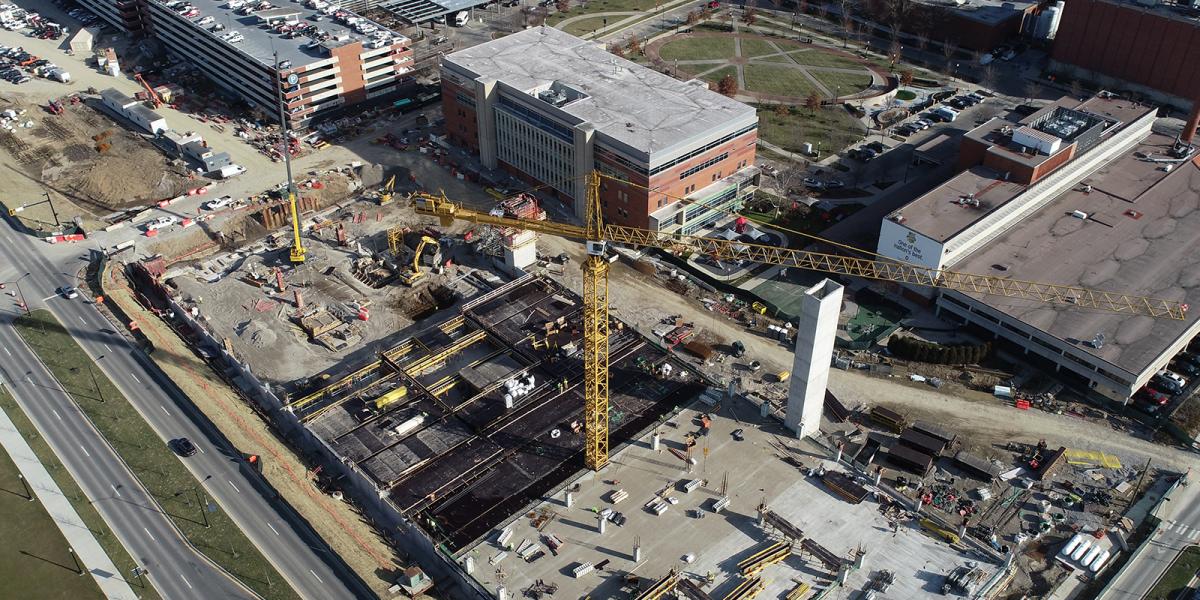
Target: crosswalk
[(1181, 530)]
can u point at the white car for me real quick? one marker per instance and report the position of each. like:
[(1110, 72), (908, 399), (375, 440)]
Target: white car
[(1175, 379), (161, 223), (219, 203)]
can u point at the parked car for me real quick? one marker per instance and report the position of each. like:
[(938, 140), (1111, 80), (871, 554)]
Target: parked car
[(813, 182), (878, 147), (183, 447), (923, 123), (161, 223), (219, 203), (1186, 368), (1150, 395), (1171, 381), (834, 184)]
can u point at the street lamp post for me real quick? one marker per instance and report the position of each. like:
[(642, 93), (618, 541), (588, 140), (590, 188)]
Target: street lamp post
[(95, 384), (20, 294), (78, 565), (25, 484)]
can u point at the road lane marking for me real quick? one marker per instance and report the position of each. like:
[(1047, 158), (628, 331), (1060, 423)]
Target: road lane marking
[(272, 529), (6, 351), (235, 488), (164, 409), (135, 377), (149, 534), (85, 451), (107, 348), (117, 492), (56, 414), (185, 581), (317, 576), (50, 297), (81, 320)]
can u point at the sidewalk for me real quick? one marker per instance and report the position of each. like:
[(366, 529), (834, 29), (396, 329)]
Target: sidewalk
[(106, 574)]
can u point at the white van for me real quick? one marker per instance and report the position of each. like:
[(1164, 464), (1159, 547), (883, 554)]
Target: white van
[(948, 113), (461, 18)]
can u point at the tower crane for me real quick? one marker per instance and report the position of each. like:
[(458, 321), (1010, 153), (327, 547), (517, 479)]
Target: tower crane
[(297, 253), (597, 235)]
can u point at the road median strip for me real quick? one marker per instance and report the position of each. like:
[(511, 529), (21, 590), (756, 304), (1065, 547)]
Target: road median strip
[(207, 527)]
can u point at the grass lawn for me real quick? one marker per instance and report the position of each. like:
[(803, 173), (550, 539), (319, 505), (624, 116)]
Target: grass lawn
[(597, 6), (831, 127), (771, 79), (704, 48), (720, 74), (819, 58), (156, 466), (1177, 576), (112, 546), (588, 25), (843, 84), (34, 561), (752, 47)]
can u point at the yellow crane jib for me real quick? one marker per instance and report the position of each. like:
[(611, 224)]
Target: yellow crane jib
[(597, 235)]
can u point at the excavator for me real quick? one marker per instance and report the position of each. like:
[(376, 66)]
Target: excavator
[(385, 195), (597, 235), (151, 95), (411, 278)]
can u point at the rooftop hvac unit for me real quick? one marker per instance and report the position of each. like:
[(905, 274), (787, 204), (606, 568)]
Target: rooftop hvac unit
[(582, 569), (1079, 214), (691, 485)]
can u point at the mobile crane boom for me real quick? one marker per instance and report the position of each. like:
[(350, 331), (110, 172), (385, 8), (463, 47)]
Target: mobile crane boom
[(597, 235)]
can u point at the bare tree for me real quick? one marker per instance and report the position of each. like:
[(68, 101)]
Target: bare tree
[(922, 39), (802, 6), (750, 16), (1032, 89), (847, 29), (906, 77), (813, 102), (821, 11), (949, 48), (987, 77), (782, 111), (563, 5), (728, 86), (1076, 88), (785, 180), (896, 51), (634, 46), (617, 50)]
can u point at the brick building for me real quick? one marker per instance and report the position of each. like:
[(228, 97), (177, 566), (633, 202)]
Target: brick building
[(550, 107), (1152, 49)]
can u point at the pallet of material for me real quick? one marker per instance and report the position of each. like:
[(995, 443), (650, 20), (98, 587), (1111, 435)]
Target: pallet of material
[(1051, 463), (689, 589), (845, 487), (921, 442), (888, 418), (866, 455), (746, 590), (903, 457), (784, 526), (660, 588), (976, 467), (831, 561), (934, 431), (834, 409)]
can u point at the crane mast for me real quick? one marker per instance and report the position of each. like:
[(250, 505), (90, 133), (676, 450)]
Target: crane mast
[(297, 253)]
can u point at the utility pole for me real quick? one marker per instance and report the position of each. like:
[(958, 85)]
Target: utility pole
[(95, 384), (25, 484), (78, 565)]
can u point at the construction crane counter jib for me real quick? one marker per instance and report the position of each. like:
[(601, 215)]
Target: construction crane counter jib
[(597, 235)]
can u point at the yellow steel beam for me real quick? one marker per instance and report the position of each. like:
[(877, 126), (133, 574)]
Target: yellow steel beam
[(773, 554), (746, 590), (418, 366), (661, 588)]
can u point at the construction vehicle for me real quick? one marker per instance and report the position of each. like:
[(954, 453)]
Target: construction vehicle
[(385, 195), (597, 236), (426, 244), (55, 107), (151, 95)]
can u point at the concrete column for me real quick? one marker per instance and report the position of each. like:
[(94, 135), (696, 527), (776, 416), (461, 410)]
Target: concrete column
[(655, 440), (637, 554), (764, 409), (569, 499), (819, 312), (585, 162), (469, 565), (486, 94), (600, 522), (501, 593)]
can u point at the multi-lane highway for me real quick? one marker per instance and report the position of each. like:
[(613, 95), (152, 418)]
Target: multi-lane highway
[(292, 547), (1179, 529)]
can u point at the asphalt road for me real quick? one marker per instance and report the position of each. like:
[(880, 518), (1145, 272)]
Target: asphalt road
[(1180, 528), (297, 552)]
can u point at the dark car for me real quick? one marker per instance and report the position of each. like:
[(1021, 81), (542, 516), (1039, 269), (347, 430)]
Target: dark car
[(184, 447), (1186, 368), (877, 147), (738, 434), (1152, 396)]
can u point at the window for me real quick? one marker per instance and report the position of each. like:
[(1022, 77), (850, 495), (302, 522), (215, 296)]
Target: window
[(704, 165)]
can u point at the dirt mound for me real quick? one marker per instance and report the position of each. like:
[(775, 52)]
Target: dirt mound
[(116, 180)]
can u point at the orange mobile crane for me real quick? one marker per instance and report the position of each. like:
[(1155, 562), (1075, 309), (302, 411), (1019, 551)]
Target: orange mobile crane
[(597, 235), (150, 93)]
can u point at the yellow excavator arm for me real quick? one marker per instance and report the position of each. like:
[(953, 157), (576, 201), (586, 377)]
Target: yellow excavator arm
[(877, 269)]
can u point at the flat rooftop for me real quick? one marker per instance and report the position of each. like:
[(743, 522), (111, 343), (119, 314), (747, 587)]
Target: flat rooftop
[(991, 12), (262, 44), (447, 449), (752, 472), (942, 213), (419, 11), (1140, 238), (641, 108)]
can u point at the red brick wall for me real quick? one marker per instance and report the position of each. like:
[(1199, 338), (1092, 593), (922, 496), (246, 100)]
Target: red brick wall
[(1130, 43), (354, 86), (461, 125), (1024, 174), (637, 203), (1054, 162), (971, 153)]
